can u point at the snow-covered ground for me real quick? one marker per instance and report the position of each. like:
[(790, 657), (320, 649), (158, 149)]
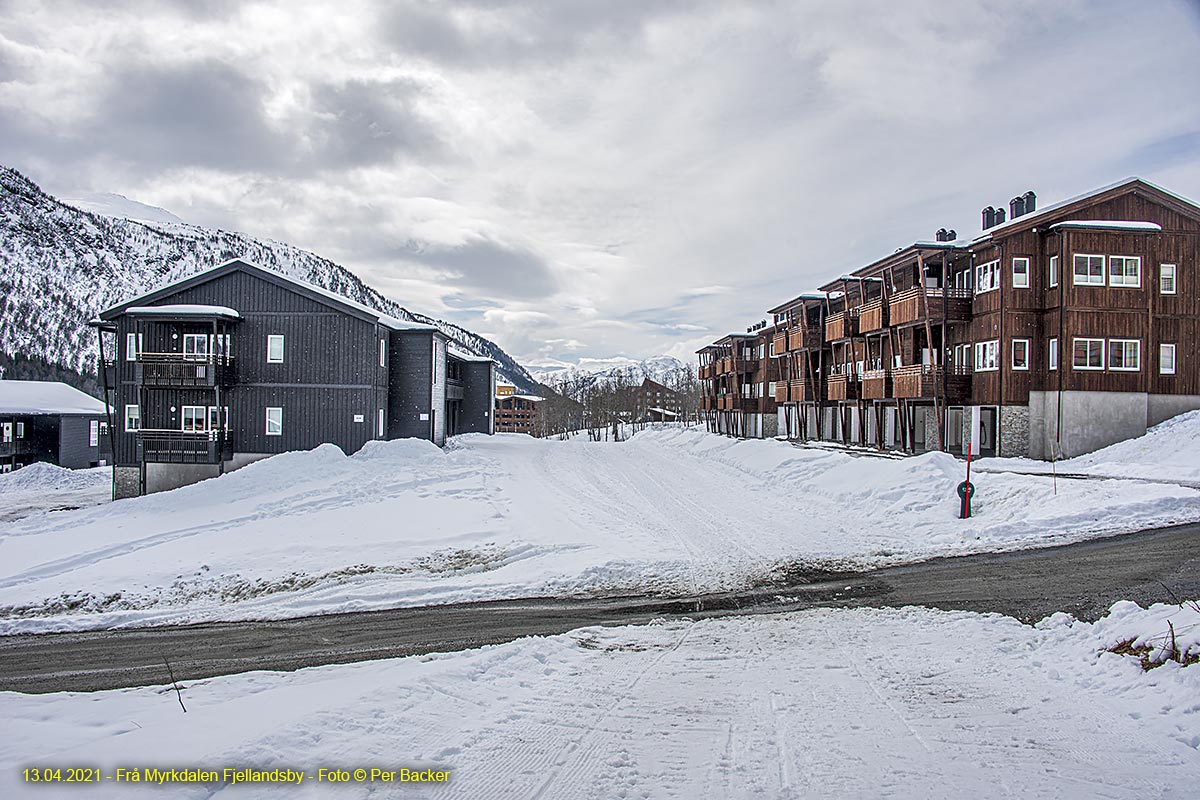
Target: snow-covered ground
[(45, 487), (404, 523), (830, 703)]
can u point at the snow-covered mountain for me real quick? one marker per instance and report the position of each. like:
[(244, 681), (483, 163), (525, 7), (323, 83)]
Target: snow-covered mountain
[(589, 370), (59, 265)]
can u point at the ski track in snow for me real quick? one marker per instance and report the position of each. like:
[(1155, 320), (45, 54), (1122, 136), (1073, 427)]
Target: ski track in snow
[(403, 523)]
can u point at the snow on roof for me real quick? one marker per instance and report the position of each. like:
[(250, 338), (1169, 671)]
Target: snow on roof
[(664, 412), (45, 397), (462, 355), (186, 310), (533, 398), (1116, 225)]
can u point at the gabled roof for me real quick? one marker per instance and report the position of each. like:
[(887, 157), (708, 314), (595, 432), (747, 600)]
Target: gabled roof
[(46, 397), (317, 293)]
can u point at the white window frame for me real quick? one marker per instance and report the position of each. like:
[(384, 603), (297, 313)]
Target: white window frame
[(1103, 353), (195, 413), (20, 428), (1052, 351), (1163, 279), (379, 424), (277, 422), (213, 421), (133, 414), (1053, 276), (1013, 353), (94, 433), (1024, 284), (272, 338), (1137, 355), (990, 271), (1125, 281), (133, 346), (383, 352), (194, 339), (1088, 278), (987, 356), (1163, 349)]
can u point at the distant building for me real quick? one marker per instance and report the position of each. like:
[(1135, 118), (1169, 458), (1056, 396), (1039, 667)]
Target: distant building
[(505, 390), (739, 374), (51, 422), (655, 402), (519, 413), (238, 363)]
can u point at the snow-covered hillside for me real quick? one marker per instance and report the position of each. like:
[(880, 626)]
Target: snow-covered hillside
[(904, 703), (403, 523), (601, 370), (59, 265)]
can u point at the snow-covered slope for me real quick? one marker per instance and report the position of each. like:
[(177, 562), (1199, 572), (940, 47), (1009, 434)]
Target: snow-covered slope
[(59, 265), (602, 370)]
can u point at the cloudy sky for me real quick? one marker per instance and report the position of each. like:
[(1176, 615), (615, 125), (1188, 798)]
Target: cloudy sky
[(589, 178)]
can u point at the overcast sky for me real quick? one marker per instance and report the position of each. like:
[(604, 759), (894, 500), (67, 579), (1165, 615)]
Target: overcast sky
[(589, 178)]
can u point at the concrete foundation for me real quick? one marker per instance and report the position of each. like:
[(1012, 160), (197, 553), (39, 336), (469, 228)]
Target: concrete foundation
[(1081, 422)]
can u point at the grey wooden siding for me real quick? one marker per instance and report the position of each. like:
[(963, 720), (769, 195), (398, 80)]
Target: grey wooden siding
[(475, 415), (410, 380)]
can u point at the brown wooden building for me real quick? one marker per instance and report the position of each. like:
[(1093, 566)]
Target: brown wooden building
[(1053, 333), (739, 375), (518, 413)]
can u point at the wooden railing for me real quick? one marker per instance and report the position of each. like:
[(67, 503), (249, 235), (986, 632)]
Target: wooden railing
[(929, 380), (875, 384), (872, 316), (183, 447), (176, 369), (807, 337), (905, 307), (800, 391), (781, 391), (842, 387), (779, 342), (840, 325)]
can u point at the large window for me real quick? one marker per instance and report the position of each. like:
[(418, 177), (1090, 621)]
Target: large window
[(1052, 349), (1124, 271), (1089, 270), (275, 349), (1166, 279), (133, 418), (987, 277), (1020, 273), (1020, 354), (216, 421), (195, 418), (195, 346), (1053, 271), (274, 421), (987, 356), (1124, 355), (1088, 353), (133, 346), (1166, 359)]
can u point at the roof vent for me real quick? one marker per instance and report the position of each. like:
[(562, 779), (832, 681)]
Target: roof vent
[(942, 235), (1016, 206), (1030, 201), (999, 216), (989, 217)]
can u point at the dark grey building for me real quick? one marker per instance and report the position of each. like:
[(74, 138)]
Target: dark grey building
[(238, 362), (52, 422)]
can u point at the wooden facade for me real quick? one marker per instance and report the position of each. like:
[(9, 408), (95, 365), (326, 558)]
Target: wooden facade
[(238, 362), (1050, 334), (740, 377)]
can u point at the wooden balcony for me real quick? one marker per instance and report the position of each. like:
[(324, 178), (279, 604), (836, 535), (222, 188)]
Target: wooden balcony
[(842, 387), (876, 384), (747, 365), (806, 338), (872, 316), (178, 370), (16, 447), (781, 391), (183, 447), (840, 326), (801, 391), (927, 381), (779, 342), (906, 307)]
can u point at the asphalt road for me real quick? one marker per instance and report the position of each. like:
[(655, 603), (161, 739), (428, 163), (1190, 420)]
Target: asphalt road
[(1083, 579)]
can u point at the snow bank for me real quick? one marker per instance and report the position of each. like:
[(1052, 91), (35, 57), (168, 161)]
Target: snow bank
[(41, 476), (829, 703)]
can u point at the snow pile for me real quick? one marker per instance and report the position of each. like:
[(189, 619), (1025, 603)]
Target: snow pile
[(829, 703), (1162, 630), (41, 476), (671, 511)]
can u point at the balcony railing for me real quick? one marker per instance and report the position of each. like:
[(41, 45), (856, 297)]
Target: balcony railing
[(177, 369), (922, 381), (183, 447), (875, 384), (779, 342), (841, 325), (872, 316), (906, 307), (801, 391), (842, 387), (16, 447), (804, 338)]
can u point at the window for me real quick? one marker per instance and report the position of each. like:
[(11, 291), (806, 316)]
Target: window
[(1088, 354), (987, 277), (221, 345), (275, 349), (215, 422), (133, 346), (1124, 355), (383, 352), (1053, 271), (1166, 359), (1053, 351), (1020, 354), (987, 356), (379, 424), (1166, 279), (1020, 273), (194, 418), (1089, 270), (1124, 271), (195, 346), (274, 421), (133, 419), (94, 433)]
